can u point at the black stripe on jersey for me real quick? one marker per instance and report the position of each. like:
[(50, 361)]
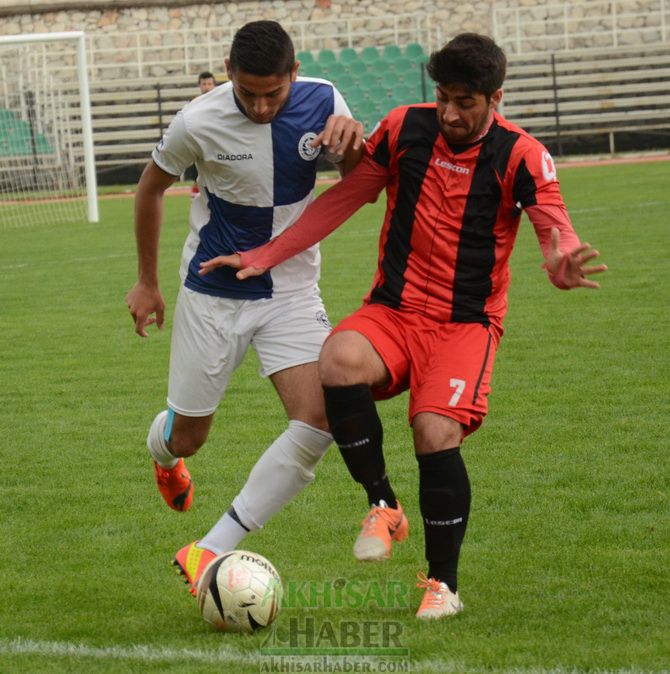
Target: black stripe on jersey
[(381, 154), (476, 247), (415, 148), (525, 188)]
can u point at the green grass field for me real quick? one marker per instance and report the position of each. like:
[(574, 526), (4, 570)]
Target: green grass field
[(565, 566)]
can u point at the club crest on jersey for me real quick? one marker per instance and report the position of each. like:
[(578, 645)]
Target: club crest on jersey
[(305, 150)]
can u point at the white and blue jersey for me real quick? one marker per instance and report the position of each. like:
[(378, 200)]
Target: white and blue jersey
[(255, 181)]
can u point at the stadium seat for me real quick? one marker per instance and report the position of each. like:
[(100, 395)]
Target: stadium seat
[(405, 65), (403, 94), (326, 57), (345, 83), (392, 52), (369, 54), (348, 55), (311, 70), (357, 68), (377, 94), (414, 52), (333, 70), (367, 80), (6, 116), (305, 57), (379, 67), (389, 80)]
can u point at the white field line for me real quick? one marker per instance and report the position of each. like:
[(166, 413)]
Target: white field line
[(76, 260), (145, 653), (141, 653)]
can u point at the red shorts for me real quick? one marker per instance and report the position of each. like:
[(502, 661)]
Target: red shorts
[(447, 367)]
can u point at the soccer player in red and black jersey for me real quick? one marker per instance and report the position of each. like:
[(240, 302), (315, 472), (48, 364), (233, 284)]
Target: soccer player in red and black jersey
[(457, 177)]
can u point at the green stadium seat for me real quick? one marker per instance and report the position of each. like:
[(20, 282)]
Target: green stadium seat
[(348, 55), (405, 65), (345, 83), (403, 94), (365, 107), (386, 105), (392, 52), (6, 116), (414, 52), (305, 57), (369, 54), (379, 67), (326, 57), (333, 70), (367, 80), (357, 68), (377, 94), (389, 80), (311, 70)]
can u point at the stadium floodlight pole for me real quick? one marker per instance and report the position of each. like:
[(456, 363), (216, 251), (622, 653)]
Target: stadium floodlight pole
[(84, 101)]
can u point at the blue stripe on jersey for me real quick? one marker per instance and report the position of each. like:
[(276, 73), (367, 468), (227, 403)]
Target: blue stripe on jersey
[(310, 105), (231, 228)]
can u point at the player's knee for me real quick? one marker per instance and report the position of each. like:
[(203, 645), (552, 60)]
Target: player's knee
[(434, 432), (186, 444), (338, 362)]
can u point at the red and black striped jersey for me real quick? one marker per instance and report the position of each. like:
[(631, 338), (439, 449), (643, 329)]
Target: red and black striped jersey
[(451, 217), (453, 213)]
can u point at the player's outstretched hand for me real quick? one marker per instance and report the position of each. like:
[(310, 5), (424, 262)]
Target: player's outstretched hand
[(569, 270), (230, 261), (146, 306), (340, 132)]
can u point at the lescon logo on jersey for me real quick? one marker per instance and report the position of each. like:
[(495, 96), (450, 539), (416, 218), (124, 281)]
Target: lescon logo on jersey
[(451, 167), (305, 150)]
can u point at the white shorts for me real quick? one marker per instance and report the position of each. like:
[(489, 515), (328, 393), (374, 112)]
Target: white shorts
[(210, 336)]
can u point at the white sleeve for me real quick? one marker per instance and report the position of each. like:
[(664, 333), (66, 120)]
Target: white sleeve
[(340, 107), (177, 150)]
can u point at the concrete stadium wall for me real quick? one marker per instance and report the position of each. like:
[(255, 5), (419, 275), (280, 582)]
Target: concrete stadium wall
[(149, 15)]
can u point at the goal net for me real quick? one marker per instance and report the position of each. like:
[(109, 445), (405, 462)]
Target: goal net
[(47, 171)]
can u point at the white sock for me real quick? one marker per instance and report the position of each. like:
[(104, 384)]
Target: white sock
[(225, 535), (284, 470), (156, 442)]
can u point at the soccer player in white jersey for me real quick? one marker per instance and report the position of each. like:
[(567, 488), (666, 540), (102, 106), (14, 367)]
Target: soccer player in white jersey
[(254, 141)]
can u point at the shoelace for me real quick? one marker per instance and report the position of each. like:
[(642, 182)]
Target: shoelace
[(435, 597)]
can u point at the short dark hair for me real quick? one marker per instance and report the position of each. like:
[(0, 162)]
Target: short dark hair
[(206, 75), (262, 48), (470, 60)]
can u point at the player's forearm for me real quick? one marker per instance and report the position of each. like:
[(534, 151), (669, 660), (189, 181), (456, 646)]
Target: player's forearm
[(322, 216), (544, 217), (148, 218), (350, 161)]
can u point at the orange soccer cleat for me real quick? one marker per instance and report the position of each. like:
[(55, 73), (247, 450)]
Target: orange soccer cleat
[(380, 526), (438, 600), (191, 561), (175, 485)]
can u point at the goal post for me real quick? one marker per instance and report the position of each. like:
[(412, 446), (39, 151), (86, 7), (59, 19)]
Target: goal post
[(46, 135)]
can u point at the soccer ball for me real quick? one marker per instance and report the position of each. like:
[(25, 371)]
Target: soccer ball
[(239, 591)]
